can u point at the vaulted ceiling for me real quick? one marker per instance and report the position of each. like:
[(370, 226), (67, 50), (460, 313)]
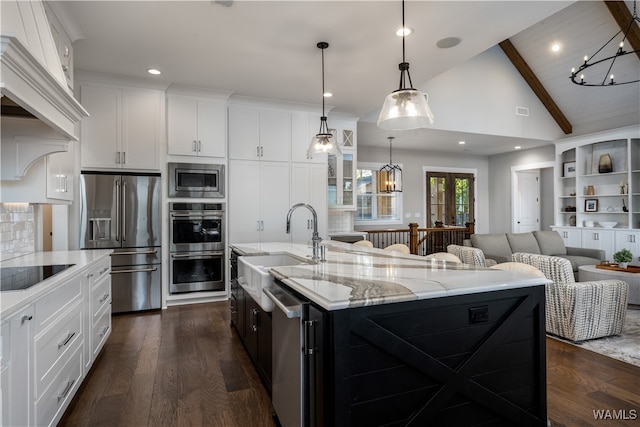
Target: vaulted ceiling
[(267, 49)]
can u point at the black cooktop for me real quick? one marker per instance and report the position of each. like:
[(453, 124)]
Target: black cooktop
[(21, 278)]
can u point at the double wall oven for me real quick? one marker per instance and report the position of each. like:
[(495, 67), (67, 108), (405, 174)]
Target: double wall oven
[(197, 244)]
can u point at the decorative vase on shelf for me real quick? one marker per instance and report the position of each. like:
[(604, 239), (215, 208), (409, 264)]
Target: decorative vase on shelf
[(590, 190), (604, 164)]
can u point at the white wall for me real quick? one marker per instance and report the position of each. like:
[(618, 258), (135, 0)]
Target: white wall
[(412, 162), (481, 96)]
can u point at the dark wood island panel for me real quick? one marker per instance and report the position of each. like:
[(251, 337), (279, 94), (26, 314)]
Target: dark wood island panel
[(476, 359)]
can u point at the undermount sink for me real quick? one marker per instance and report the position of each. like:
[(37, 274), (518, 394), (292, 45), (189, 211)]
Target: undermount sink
[(253, 274)]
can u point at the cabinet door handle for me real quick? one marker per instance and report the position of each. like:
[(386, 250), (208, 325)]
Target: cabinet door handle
[(254, 318), (104, 298), (117, 157), (89, 276), (104, 270), (25, 318), (104, 331), (258, 225), (257, 151), (124, 157), (194, 146), (67, 389), (66, 340), (199, 146), (261, 151)]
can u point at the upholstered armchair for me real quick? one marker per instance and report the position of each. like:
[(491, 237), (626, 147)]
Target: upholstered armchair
[(470, 255), (579, 311)]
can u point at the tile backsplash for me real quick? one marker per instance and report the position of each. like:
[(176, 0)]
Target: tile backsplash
[(340, 221), (17, 230)]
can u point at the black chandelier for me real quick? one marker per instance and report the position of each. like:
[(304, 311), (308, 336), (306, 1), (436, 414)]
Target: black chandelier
[(391, 175), (608, 79)]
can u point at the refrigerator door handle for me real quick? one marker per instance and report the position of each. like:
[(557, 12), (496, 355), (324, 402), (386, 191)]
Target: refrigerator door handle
[(124, 210), (141, 270), (149, 252), (118, 210)]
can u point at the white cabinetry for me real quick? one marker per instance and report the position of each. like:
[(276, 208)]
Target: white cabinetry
[(599, 239), (341, 176), (304, 126), (308, 185), (61, 175), (629, 240), (97, 284), (46, 349), (571, 236), (125, 127), (258, 201), (259, 133), (16, 380), (196, 126)]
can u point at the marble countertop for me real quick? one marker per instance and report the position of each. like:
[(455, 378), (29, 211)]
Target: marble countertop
[(358, 276), (11, 301)]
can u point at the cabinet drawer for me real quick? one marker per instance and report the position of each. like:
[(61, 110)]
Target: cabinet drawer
[(55, 302), (100, 295), (54, 345), (50, 407), (101, 331), (101, 269)]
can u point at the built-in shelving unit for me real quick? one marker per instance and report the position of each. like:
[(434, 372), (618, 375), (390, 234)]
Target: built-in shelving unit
[(596, 205)]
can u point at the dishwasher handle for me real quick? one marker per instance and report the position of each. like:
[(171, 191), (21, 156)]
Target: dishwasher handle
[(287, 303)]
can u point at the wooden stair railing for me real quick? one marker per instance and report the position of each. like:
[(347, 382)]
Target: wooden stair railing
[(422, 241)]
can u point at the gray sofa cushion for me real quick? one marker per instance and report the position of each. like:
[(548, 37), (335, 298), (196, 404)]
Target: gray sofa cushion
[(577, 260), (523, 242), (550, 243), (492, 245)]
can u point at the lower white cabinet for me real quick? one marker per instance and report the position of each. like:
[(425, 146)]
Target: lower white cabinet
[(599, 239), (630, 240), (572, 237), (15, 368), (49, 345)]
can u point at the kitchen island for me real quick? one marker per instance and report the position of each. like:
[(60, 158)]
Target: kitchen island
[(400, 340)]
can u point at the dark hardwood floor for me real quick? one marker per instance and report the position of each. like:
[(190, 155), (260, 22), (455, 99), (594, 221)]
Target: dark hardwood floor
[(184, 366)]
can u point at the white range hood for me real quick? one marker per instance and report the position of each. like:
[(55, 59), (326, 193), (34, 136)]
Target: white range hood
[(32, 78)]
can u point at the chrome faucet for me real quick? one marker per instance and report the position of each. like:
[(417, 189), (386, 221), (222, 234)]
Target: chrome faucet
[(315, 239)]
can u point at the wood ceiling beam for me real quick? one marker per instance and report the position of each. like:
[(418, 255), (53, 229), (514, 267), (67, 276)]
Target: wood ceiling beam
[(622, 15), (532, 80)]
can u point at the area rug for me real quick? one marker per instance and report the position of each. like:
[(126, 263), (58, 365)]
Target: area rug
[(625, 347)]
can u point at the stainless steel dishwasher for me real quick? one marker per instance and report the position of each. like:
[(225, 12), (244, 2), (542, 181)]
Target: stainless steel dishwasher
[(294, 358)]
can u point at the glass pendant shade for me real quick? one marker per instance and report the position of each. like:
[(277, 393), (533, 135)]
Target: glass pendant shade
[(323, 142), (405, 109)]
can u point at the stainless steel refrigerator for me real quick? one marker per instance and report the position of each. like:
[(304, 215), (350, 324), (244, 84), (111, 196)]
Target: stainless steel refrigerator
[(122, 211)]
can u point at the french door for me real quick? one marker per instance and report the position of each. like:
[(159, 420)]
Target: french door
[(450, 199)]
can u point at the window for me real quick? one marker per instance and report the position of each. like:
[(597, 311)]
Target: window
[(374, 206), (450, 198)]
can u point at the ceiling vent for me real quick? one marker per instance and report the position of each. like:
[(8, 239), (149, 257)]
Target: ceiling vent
[(522, 111)]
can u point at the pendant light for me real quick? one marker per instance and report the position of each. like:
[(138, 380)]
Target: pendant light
[(406, 108), (391, 175), (605, 63), (324, 141)]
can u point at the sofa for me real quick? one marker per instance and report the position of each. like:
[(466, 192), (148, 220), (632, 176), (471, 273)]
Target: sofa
[(500, 247)]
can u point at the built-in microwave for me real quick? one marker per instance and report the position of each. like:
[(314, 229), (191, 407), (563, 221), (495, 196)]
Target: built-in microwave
[(196, 180)]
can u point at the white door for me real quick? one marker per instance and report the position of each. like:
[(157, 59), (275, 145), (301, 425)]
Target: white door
[(141, 129), (212, 129), (527, 203), (182, 125), (101, 132)]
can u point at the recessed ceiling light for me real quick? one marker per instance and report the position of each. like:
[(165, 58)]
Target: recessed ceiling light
[(461, 142), (154, 71), (448, 42), (404, 31), (327, 94), (517, 147), (555, 47)]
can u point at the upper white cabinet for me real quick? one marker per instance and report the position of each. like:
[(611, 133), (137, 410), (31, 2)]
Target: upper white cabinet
[(125, 127), (304, 126), (341, 173), (259, 133), (196, 126)]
